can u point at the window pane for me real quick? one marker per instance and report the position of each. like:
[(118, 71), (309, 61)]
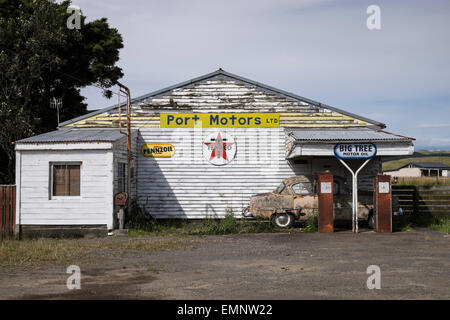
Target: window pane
[(335, 188), (302, 188), (74, 180), (59, 180), (280, 188), (121, 177), (66, 180)]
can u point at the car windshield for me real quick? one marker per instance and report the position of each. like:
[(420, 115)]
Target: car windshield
[(302, 188), (280, 188)]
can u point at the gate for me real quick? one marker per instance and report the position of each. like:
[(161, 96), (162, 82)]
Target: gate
[(7, 211)]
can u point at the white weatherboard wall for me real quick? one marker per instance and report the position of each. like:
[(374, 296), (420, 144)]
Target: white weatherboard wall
[(93, 207), (188, 186)]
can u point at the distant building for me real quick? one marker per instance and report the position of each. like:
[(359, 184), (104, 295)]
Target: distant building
[(420, 169)]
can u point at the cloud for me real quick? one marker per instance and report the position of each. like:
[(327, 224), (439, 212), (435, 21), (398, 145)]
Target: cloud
[(318, 49), (434, 125)]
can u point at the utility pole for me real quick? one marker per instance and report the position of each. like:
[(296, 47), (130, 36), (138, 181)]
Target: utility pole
[(56, 104)]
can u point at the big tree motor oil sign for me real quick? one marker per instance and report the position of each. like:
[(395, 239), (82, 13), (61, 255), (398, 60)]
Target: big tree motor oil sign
[(355, 150)]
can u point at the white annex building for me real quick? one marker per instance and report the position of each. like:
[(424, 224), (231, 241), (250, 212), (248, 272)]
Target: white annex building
[(199, 149)]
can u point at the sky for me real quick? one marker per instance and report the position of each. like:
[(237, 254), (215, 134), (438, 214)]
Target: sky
[(318, 49)]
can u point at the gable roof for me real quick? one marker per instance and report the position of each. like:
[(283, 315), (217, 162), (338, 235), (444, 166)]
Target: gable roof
[(221, 74), (428, 165)]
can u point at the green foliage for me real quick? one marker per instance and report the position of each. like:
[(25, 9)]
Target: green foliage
[(438, 222), (228, 225), (41, 58), (311, 224)]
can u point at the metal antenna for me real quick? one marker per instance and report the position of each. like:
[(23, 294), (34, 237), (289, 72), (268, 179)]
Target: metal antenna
[(56, 104)]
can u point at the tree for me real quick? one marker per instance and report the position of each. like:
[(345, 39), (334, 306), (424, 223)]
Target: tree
[(41, 58)]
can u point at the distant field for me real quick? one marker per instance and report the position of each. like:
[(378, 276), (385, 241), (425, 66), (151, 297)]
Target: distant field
[(420, 156), (423, 181)]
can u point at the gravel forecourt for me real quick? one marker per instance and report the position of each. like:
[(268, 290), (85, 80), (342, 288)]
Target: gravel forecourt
[(414, 265)]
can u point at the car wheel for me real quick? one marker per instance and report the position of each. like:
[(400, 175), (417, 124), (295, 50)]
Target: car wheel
[(370, 221), (282, 220)]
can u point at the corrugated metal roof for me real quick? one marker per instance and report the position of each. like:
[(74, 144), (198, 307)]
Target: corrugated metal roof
[(346, 135), (76, 135), (223, 73), (429, 165)]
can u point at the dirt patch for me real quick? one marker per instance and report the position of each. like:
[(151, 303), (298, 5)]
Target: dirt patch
[(414, 265)]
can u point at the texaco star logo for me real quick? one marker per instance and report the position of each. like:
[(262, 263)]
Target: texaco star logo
[(219, 148)]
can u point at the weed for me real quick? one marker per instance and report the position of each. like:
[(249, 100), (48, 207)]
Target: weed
[(311, 224), (438, 222), (25, 253)]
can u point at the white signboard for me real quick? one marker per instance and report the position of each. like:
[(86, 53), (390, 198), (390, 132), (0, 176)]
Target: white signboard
[(325, 187), (383, 187), (355, 150)]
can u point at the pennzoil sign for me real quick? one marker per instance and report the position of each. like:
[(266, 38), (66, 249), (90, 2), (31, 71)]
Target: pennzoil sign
[(158, 150)]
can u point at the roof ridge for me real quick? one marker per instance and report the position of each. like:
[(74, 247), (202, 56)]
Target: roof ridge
[(220, 71)]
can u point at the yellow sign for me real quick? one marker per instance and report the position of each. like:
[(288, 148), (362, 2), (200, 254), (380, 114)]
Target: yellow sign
[(219, 120), (157, 150)]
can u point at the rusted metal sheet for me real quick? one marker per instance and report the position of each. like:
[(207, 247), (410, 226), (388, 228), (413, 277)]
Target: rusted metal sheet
[(7, 211), (383, 204), (326, 203)]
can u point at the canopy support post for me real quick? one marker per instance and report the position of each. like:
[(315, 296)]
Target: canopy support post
[(354, 192)]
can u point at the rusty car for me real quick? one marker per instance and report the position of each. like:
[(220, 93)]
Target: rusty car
[(296, 199)]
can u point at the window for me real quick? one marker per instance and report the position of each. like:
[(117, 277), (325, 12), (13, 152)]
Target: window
[(302, 188), (65, 179), (122, 177), (335, 188), (280, 188)]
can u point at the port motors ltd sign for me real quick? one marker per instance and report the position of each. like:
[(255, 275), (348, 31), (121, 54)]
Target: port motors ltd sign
[(355, 150), (219, 120)]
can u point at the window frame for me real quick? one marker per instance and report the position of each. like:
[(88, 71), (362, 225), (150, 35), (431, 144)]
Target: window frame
[(310, 192), (125, 182), (51, 169)]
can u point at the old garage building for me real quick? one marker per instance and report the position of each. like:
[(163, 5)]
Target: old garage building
[(200, 149)]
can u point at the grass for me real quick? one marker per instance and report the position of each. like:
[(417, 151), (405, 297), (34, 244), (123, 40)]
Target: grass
[(423, 181), (29, 253), (228, 225), (440, 224), (395, 164), (437, 222), (311, 224)]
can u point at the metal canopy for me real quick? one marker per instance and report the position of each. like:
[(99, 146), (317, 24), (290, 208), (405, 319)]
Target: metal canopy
[(310, 142)]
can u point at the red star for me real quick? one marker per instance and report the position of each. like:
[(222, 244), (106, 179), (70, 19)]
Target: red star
[(218, 145)]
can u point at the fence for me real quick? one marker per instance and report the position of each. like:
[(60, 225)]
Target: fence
[(7, 211), (423, 199)]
